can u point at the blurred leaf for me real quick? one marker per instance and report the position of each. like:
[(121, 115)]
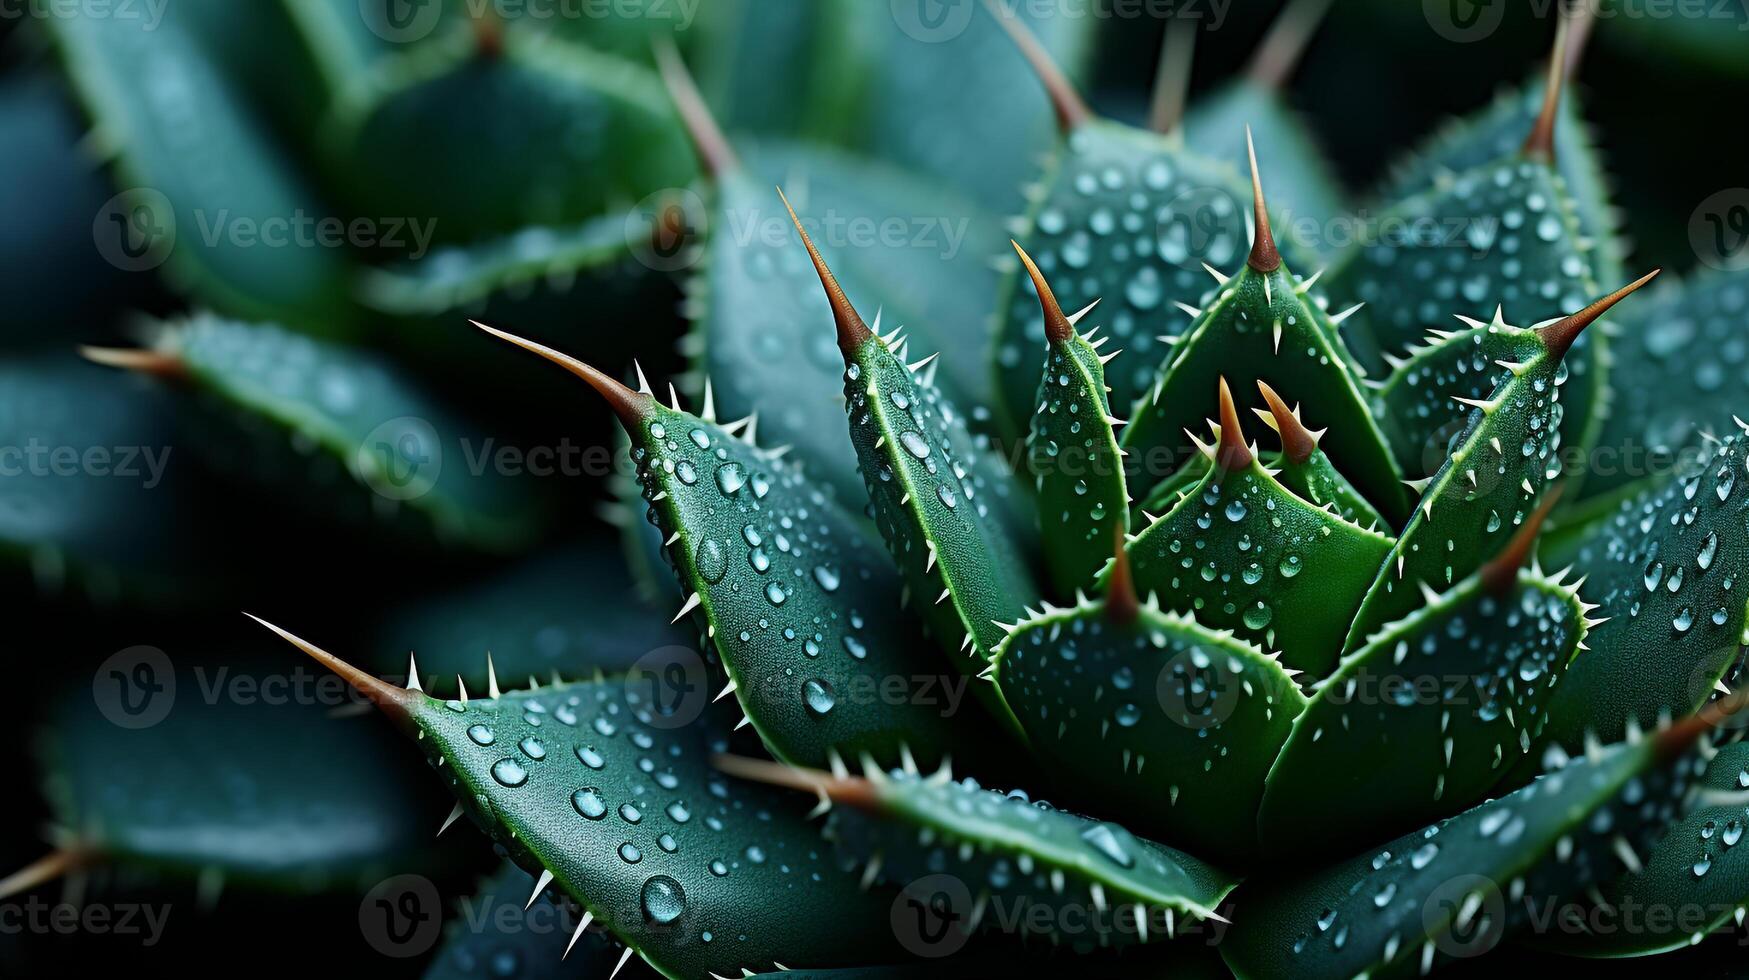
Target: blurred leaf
[(493, 934)]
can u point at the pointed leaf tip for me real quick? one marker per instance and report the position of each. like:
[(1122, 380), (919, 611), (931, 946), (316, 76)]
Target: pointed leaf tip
[(152, 362), (1072, 112), (1558, 337), (1500, 573), (1233, 454), (839, 789), (1122, 606), (1540, 144), (1286, 42), (1264, 257), (396, 702), (852, 332), (1057, 326), (629, 405), (713, 148), (1297, 441)]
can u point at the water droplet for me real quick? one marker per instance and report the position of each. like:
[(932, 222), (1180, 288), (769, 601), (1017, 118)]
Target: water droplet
[(914, 444), (589, 803), (775, 594), (629, 853), (509, 772), (590, 757), (712, 560), (827, 577), (1290, 566), (1104, 838), (663, 899), (481, 735), (629, 813), (731, 478), (945, 494), (687, 473), (700, 438), (532, 748), (818, 696)]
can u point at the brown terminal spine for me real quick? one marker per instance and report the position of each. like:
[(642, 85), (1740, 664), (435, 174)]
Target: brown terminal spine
[(1072, 112), (1558, 337), (632, 407), (1264, 257), (1500, 573), (1058, 329), (852, 332), (1231, 454), (1122, 606), (1297, 442)]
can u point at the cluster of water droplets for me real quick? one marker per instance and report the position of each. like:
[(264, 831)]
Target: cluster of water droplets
[(1069, 443)]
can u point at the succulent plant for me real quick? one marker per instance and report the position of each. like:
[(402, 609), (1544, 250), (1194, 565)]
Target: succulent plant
[(988, 529)]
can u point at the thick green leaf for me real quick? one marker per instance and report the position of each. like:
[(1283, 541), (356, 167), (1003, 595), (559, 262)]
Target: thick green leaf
[(567, 613), (337, 430), (1240, 552), (790, 68), (1679, 359), (1505, 233), (1498, 467), (1265, 324), (153, 774), (1304, 468), (1128, 217), (1665, 571), (801, 604), (483, 142), (1455, 888), (596, 786), (204, 190), (1418, 405), (1072, 452), (1158, 717), (1693, 881), (1426, 717)]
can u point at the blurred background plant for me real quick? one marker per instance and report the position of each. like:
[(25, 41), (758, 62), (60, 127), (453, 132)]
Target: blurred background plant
[(293, 207)]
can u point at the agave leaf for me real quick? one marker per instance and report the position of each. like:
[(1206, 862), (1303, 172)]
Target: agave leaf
[(792, 68), (1418, 405), (901, 826), (1072, 451), (276, 409), (1667, 393), (798, 600), (1457, 887), (493, 930), (538, 111), (947, 510), (1695, 874), (1498, 130), (1430, 713), (1236, 550), (1498, 467), (1264, 321), (197, 169), (1304, 469), (1149, 712), (595, 789), (338, 38), (758, 308), (282, 797), (1664, 571), (115, 525), (568, 613)]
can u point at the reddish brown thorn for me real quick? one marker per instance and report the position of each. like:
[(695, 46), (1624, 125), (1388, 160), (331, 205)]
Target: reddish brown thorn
[(1072, 112), (1172, 77), (45, 869), (1286, 41), (1232, 453), (1121, 603), (1500, 573), (1581, 18), (1297, 441), (1540, 144), (1264, 257), (852, 332), (1057, 326), (396, 702), (489, 35), (1558, 337), (631, 406), (839, 789), (713, 148), (155, 363), (1680, 737)]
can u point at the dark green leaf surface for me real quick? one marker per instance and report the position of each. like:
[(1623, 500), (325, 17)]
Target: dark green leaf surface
[(1424, 719), (1161, 718), (201, 179), (486, 145), (1455, 888), (1665, 572), (698, 874), (1126, 217), (491, 934), (802, 605)]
